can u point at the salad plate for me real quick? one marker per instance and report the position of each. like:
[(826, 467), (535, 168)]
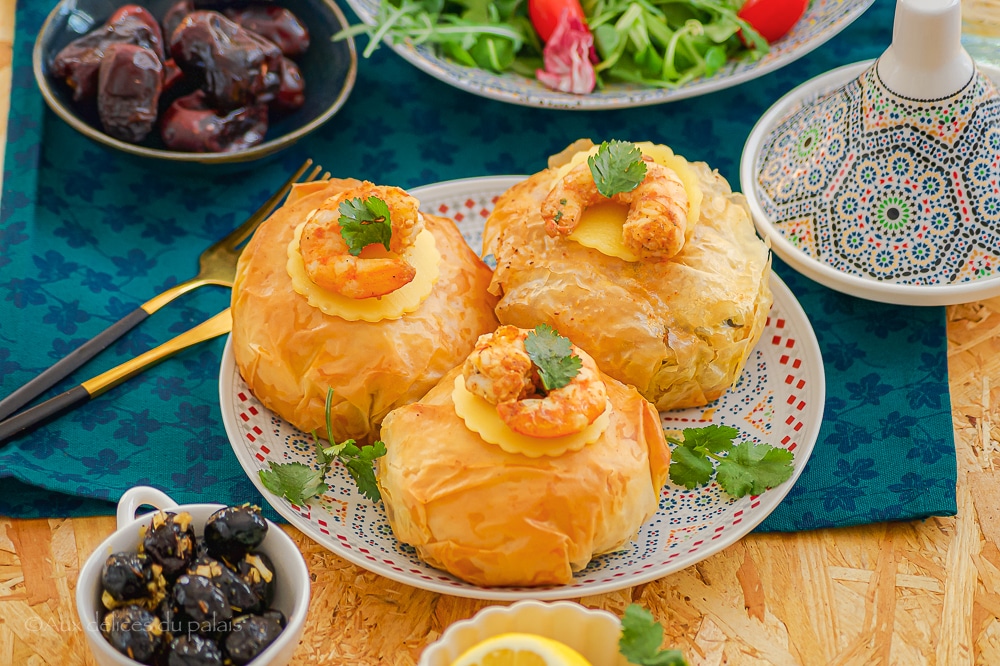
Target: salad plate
[(822, 20), (778, 400)]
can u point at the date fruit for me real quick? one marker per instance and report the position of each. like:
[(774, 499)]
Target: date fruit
[(191, 125), (235, 67), (275, 24), (128, 91)]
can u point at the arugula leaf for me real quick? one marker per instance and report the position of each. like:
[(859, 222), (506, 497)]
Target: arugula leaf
[(743, 469), (617, 167), (294, 481), (553, 356), (753, 468), (364, 223), (641, 638)]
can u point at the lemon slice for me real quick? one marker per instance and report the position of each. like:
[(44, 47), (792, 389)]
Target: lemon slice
[(516, 649)]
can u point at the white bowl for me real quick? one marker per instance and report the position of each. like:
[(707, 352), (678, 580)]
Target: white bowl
[(592, 633), (291, 595)]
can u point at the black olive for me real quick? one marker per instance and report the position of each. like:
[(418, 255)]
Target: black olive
[(131, 577), (232, 532), (238, 592), (257, 570), (133, 631), (169, 540), (202, 605), (251, 634), (193, 650), (277, 616), (169, 621)]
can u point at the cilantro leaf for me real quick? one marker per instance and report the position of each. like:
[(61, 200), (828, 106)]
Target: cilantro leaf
[(617, 167), (689, 468), (294, 481), (364, 223), (553, 356), (714, 438), (358, 462), (641, 638), (753, 468)]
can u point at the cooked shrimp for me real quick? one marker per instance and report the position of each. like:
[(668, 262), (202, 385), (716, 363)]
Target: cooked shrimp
[(376, 271), (657, 215), (500, 371)]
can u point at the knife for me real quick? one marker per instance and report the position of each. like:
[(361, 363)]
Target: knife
[(218, 325)]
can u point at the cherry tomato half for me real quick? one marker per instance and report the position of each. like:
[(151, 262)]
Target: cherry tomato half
[(772, 18), (545, 15)]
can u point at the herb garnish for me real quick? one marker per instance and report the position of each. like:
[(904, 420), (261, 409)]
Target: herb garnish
[(641, 638), (364, 223), (617, 167), (298, 483), (553, 355), (743, 469)]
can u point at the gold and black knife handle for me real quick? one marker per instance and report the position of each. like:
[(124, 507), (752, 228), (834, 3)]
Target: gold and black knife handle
[(218, 325)]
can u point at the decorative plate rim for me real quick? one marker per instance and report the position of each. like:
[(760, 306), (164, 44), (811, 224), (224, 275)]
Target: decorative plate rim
[(761, 507), (486, 84), (855, 285)]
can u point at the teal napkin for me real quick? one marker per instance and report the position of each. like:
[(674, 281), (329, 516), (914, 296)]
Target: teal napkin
[(87, 234)]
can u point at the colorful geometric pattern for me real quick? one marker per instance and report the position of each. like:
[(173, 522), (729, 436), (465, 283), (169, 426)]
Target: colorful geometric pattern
[(778, 400), (885, 187)]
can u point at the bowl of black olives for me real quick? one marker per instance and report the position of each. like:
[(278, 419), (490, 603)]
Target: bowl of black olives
[(192, 584), (195, 81)]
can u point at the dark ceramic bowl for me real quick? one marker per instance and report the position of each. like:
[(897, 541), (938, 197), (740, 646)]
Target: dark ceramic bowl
[(329, 69)]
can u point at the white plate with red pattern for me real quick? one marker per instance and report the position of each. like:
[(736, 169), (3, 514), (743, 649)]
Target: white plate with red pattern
[(778, 400)]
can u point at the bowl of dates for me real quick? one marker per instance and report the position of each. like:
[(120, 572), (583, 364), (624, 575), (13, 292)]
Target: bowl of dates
[(207, 81), (192, 584)]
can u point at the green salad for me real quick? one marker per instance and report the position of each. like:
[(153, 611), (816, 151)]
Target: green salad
[(662, 43)]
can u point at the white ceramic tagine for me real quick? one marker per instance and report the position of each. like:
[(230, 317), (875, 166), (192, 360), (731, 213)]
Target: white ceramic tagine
[(882, 179)]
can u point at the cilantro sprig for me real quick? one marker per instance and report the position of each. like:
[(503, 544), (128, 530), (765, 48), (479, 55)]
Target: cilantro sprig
[(617, 167), (364, 223), (553, 355), (641, 638), (743, 469), (299, 483)]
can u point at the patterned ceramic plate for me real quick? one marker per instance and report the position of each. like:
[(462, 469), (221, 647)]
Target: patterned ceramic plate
[(823, 19), (880, 196), (778, 400)]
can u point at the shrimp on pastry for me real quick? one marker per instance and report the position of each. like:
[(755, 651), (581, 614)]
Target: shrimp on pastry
[(500, 371), (656, 222), (374, 270)]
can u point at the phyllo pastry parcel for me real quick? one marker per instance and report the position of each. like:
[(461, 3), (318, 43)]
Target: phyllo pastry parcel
[(648, 262), (350, 294), (522, 464)]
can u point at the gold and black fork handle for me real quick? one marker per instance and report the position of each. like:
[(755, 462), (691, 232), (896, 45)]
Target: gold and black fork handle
[(218, 325)]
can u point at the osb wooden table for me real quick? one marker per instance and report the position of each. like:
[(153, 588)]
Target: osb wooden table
[(911, 593)]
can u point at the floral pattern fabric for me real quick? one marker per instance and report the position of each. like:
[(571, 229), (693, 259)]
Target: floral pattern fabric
[(87, 234)]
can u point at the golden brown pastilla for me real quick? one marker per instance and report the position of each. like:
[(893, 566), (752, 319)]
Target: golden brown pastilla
[(379, 327), (670, 303), (501, 481)]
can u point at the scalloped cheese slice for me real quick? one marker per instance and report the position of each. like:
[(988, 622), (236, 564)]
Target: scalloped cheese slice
[(481, 418), (600, 226), (422, 255)]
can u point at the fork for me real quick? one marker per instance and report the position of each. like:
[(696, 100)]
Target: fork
[(216, 266)]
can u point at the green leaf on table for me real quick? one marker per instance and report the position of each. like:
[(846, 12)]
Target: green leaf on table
[(750, 469), (689, 468), (553, 355), (364, 223), (294, 481), (617, 167), (641, 638)]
